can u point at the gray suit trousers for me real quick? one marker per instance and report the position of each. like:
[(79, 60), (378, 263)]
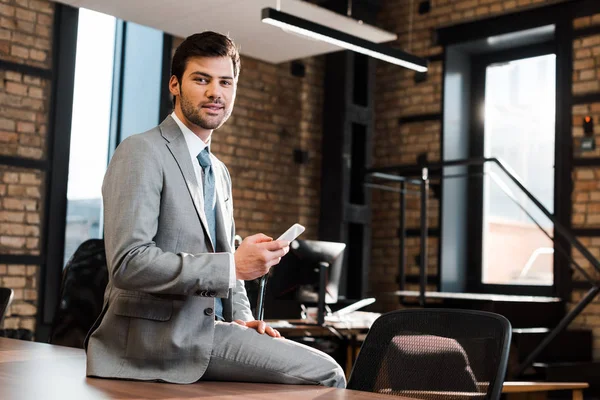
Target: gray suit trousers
[(244, 355)]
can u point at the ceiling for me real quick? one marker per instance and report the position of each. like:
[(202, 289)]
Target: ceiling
[(241, 19)]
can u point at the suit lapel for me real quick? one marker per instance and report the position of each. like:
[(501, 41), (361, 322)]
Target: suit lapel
[(178, 148)]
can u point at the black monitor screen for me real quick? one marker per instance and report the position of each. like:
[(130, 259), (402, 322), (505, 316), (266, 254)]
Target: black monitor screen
[(295, 280)]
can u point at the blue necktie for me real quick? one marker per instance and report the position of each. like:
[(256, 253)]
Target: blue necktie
[(209, 209)]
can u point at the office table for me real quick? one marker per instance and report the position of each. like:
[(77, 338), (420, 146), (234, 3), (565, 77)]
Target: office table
[(31, 370), (513, 390), (539, 390)]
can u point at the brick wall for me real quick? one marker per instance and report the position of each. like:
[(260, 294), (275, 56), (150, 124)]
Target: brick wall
[(26, 31), (586, 189), (274, 114), (25, 38)]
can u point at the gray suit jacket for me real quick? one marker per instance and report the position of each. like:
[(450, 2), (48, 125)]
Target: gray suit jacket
[(164, 271)]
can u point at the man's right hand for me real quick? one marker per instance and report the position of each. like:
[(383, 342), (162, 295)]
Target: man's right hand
[(257, 254)]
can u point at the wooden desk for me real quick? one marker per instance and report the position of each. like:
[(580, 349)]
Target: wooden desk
[(512, 390), (33, 371), (538, 390)]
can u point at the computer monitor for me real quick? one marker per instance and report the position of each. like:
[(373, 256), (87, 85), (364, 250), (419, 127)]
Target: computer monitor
[(295, 280)]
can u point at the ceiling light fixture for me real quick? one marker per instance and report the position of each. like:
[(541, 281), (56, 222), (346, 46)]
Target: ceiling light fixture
[(313, 30)]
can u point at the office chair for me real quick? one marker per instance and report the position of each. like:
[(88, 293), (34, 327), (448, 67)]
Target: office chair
[(81, 294), (434, 354), (6, 296)]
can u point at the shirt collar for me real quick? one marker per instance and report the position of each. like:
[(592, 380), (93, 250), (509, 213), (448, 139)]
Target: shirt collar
[(194, 143)]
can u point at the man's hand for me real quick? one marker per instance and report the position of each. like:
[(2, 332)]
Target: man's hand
[(260, 326), (257, 254)]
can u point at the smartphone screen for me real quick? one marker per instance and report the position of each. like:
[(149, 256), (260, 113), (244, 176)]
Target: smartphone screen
[(292, 233)]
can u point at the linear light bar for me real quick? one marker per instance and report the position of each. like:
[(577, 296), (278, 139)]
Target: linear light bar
[(342, 39)]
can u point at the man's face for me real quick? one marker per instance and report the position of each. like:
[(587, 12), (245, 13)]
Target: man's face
[(206, 91)]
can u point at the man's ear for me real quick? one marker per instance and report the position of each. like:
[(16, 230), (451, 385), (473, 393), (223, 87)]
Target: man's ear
[(174, 86)]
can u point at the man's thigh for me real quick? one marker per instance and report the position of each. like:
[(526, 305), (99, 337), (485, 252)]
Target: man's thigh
[(242, 354)]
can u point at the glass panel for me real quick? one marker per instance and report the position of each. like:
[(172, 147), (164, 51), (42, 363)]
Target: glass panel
[(142, 68), (90, 127), (519, 130)]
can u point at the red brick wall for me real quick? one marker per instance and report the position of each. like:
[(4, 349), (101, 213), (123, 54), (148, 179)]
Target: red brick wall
[(25, 38), (586, 189), (275, 113)]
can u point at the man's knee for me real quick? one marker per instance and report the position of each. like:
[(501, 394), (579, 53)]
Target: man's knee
[(332, 374), (339, 378)]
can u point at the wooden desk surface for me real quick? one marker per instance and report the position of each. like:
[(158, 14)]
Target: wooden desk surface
[(300, 328), (523, 387), (31, 370), (315, 330)]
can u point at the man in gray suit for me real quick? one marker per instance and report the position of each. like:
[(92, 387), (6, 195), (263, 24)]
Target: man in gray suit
[(175, 308)]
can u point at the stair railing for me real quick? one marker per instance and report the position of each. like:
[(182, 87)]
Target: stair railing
[(406, 175)]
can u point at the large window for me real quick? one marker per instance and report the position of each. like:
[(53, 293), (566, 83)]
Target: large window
[(116, 94), (519, 129), (90, 127), (507, 96)]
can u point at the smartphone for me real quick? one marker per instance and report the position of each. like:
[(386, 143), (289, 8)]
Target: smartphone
[(292, 233)]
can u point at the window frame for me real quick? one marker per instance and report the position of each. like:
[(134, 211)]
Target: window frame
[(475, 198)]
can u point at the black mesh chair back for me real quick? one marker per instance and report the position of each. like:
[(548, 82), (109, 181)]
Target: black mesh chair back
[(81, 294), (6, 296), (434, 354)]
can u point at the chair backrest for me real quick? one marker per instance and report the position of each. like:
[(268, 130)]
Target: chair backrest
[(6, 296), (434, 354), (81, 294)]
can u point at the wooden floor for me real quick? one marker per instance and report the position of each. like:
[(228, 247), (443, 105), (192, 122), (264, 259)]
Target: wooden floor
[(38, 371)]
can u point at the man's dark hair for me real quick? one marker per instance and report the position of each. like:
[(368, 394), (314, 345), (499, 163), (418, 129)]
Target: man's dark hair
[(205, 44)]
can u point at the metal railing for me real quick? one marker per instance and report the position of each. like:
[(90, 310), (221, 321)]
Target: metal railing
[(406, 175)]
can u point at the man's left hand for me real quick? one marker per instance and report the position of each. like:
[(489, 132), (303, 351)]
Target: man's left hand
[(260, 326)]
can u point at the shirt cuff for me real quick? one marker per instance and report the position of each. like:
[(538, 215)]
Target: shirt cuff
[(232, 275)]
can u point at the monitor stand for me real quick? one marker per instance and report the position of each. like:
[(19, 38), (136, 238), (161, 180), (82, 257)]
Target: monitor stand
[(323, 266)]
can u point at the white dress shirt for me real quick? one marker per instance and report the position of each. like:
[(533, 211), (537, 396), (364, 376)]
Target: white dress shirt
[(195, 146)]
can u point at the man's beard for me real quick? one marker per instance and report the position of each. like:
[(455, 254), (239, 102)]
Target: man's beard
[(192, 114)]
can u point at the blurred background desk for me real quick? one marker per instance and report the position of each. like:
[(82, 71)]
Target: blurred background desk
[(340, 339), (539, 390)]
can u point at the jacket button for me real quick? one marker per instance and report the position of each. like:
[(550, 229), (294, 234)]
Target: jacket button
[(208, 311)]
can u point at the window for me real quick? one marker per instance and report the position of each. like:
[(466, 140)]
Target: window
[(107, 107), (500, 101), (90, 127), (519, 130)]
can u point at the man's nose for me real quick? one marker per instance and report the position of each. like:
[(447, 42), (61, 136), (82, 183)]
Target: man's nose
[(213, 91)]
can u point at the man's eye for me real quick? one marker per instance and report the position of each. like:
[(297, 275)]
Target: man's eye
[(226, 83), (201, 80)]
